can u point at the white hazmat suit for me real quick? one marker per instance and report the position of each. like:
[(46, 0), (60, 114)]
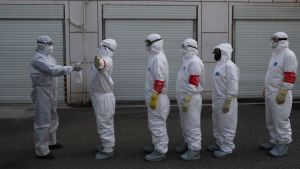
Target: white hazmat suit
[(157, 101), (188, 93), (103, 98), (44, 72), (279, 82), (224, 93)]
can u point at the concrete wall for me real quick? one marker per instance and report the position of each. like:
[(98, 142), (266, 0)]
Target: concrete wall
[(83, 29)]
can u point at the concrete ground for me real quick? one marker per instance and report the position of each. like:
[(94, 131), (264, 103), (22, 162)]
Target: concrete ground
[(78, 134)]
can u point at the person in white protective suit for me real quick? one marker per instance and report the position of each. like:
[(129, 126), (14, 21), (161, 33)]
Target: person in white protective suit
[(224, 101), (279, 82), (157, 101), (43, 73), (103, 98), (188, 93)]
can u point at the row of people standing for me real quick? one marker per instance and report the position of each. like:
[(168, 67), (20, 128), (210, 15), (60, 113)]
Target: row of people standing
[(188, 93), (189, 86)]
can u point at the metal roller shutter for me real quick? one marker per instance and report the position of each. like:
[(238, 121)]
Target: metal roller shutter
[(253, 47), (17, 45), (130, 25), (131, 58)]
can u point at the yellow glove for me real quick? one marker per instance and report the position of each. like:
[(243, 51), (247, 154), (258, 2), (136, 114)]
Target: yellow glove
[(186, 102), (153, 101), (226, 105), (280, 99)]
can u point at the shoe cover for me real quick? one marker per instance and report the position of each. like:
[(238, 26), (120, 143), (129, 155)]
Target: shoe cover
[(279, 150), (155, 156), (103, 155), (222, 154), (190, 155)]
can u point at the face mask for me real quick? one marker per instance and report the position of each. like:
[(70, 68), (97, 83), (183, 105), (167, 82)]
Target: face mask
[(217, 53), (49, 49), (183, 52)]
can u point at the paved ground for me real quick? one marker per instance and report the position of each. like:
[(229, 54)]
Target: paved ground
[(78, 134)]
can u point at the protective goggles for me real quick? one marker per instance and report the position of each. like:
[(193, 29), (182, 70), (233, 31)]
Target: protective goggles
[(107, 47), (183, 46), (149, 42), (275, 39), (45, 43)]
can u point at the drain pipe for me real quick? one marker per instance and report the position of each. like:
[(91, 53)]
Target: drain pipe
[(84, 51)]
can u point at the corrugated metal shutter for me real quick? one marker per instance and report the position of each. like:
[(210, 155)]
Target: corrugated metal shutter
[(31, 11), (131, 58), (253, 51), (149, 12), (17, 45), (266, 12)]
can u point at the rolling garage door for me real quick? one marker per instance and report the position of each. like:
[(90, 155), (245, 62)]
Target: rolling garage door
[(130, 25), (253, 27), (20, 27)]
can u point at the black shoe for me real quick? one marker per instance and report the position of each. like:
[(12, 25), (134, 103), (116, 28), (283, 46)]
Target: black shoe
[(56, 146), (49, 156)]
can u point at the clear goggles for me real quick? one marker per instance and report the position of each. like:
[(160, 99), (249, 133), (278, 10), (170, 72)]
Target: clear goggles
[(275, 39), (50, 43), (149, 42), (183, 46), (108, 47)]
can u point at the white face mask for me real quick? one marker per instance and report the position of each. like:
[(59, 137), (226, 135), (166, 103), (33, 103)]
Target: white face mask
[(183, 52), (49, 50)]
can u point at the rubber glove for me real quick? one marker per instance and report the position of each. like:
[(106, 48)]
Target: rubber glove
[(153, 101), (99, 63), (186, 103), (280, 99), (226, 105)]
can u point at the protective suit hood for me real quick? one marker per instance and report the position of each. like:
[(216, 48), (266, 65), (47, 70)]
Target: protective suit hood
[(44, 45), (154, 44), (226, 51), (189, 48), (280, 41), (107, 47)]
